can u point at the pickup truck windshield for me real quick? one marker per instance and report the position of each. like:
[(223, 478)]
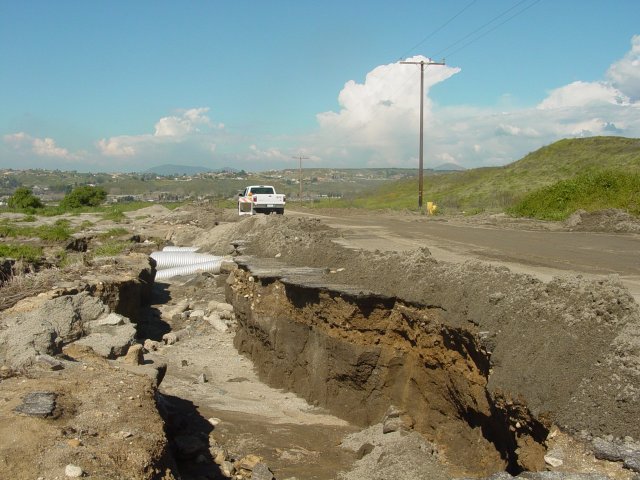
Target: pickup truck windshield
[(262, 190)]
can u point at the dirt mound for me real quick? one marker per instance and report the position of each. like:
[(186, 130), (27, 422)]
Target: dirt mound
[(154, 211), (609, 220)]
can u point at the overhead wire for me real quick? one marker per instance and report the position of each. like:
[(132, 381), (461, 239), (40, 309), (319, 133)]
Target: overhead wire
[(486, 24), (441, 27), (492, 29)]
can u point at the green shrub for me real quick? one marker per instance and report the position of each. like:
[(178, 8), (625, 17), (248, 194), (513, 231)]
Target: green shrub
[(84, 196), (65, 259), (589, 191), (24, 199)]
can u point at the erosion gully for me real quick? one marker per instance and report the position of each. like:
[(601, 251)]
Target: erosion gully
[(356, 353)]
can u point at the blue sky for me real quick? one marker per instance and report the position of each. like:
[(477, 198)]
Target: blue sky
[(122, 86)]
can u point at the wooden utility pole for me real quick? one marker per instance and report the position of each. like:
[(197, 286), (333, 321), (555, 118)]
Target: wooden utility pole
[(300, 158), (422, 64)]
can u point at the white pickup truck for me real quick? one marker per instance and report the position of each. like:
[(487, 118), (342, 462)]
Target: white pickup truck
[(260, 199)]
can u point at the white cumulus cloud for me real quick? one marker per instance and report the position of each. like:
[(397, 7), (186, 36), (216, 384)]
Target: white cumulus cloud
[(378, 119), (578, 94), (388, 96), (122, 146), (192, 128), (42, 147), (625, 73), (179, 126)]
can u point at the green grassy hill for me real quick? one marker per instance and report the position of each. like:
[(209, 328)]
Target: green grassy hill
[(498, 188)]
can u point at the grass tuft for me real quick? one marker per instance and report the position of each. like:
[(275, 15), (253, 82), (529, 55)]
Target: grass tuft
[(111, 249), (113, 232), (29, 253)]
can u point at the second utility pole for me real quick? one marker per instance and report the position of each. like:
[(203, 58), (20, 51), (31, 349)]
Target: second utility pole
[(422, 64), (300, 157)]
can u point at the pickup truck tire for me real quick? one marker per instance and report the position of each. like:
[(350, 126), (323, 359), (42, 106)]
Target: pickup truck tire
[(280, 211)]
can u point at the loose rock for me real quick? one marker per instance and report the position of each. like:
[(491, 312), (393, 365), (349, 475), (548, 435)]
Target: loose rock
[(261, 472), (553, 461), (151, 345), (248, 462), (227, 469), (49, 362), (73, 471), (134, 355), (38, 404)]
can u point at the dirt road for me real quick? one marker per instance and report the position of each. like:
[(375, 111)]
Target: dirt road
[(541, 249)]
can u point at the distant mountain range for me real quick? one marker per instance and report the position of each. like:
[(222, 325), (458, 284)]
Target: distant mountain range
[(185, 170), (449, 167)]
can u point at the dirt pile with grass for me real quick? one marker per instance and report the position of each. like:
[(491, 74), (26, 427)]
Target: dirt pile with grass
[(609, 220)]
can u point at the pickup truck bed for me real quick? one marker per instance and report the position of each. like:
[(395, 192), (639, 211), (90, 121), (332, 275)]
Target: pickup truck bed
[(260, 199)]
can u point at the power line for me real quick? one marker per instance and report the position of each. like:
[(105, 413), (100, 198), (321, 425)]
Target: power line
[(481, 27), (492, 29), (441, 27)]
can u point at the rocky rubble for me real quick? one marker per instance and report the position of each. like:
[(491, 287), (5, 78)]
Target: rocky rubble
[(73, 380), (624, 450)]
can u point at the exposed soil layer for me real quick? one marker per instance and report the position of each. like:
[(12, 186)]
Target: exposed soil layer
[(357, 353)]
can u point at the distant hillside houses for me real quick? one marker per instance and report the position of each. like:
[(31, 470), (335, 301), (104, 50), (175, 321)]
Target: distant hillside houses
[(148, 197)]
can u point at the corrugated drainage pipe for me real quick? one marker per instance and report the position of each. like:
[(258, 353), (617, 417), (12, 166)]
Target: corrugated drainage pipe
[(180, 259), (211, 266), (171, 248)]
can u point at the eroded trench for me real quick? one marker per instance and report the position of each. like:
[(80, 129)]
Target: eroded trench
[(356, 353)]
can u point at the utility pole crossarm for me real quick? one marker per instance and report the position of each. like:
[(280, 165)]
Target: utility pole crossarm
[(422, 64)]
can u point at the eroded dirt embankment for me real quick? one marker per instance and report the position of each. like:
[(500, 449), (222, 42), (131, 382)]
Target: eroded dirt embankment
[(357, 353), (568, 347)]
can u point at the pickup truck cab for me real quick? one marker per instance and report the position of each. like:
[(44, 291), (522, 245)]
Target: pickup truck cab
[(260, 199)]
